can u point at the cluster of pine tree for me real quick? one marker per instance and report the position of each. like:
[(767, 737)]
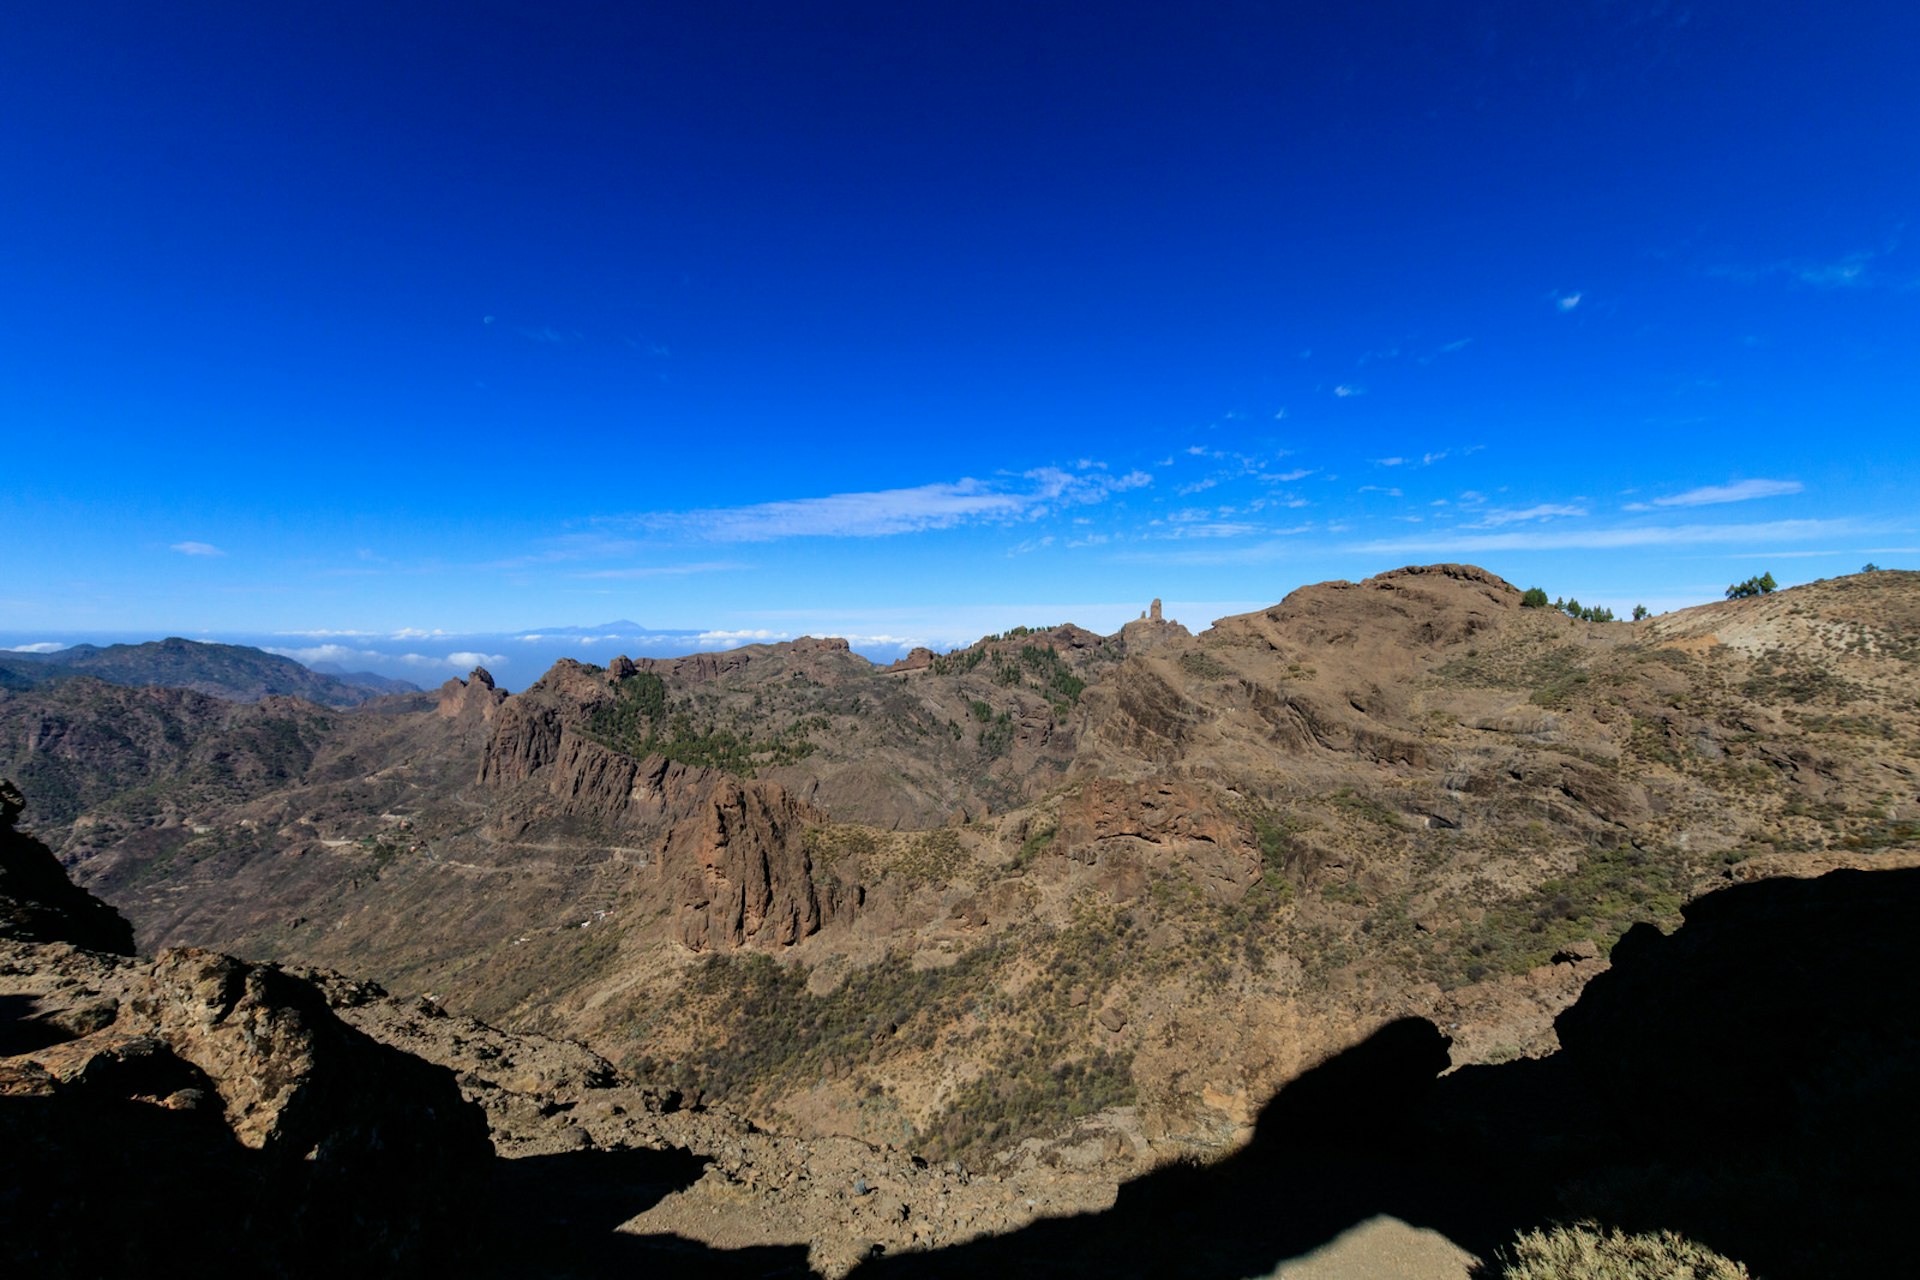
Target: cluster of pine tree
[(1535, 598)]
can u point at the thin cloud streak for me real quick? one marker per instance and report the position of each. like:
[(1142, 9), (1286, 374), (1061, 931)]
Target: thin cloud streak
[(1539, 511), (662, 570), (1609, 539), (888, 512), (1709, 495)]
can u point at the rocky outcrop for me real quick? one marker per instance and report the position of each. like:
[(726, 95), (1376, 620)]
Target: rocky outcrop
[(1151, 630), (746, 876), (1155, 813), (136, 1097), (733, 848), (919, 658), (527, 729), (474, 699), (1393, 621)]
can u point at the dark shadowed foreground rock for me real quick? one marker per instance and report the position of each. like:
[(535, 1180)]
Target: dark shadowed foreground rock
[(196, 1112), (37, 901)]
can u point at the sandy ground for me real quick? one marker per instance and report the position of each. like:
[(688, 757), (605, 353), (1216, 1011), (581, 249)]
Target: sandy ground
[(1381, 1247)]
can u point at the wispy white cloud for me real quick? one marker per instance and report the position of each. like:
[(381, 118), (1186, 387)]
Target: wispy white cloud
[(1567, 301), (1850, 270), (1347, 389), (1376, 488), (341, 655), (1389, 462), (45, 646), (1276, 544), (196, 549), (759, 635), (1215, 529), (1518, 515), (1446, 349), (887, 512), (1709, 495), (1608, 539), (661, 570), (337, 654), (323, 633)]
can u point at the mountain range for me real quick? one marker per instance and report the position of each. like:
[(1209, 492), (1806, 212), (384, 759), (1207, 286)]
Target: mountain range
[(238, 673), (1043, 914)]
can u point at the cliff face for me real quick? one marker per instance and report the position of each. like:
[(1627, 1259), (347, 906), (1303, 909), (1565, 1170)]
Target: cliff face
[(745, 874), (731, 850)]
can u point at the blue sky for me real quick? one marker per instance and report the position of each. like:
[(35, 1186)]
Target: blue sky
[(910, 322)]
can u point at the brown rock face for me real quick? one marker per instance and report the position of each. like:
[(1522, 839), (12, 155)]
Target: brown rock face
[(1159, 813), (474, 698), (733, 847), (527, 729), (919, 658), (747, 878), (1390, 620)]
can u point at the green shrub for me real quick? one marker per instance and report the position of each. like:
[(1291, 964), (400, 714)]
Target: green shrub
[(1533, 598), (1034, 845)]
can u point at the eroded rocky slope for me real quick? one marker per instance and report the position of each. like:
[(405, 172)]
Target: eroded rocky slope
[(1057, 900), (1744, 1079)]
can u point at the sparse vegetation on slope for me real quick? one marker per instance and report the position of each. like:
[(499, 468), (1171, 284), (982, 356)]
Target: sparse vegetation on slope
[(642, 720), (773, 1034)]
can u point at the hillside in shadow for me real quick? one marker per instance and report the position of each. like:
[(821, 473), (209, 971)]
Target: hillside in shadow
[(1747, 1081)]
